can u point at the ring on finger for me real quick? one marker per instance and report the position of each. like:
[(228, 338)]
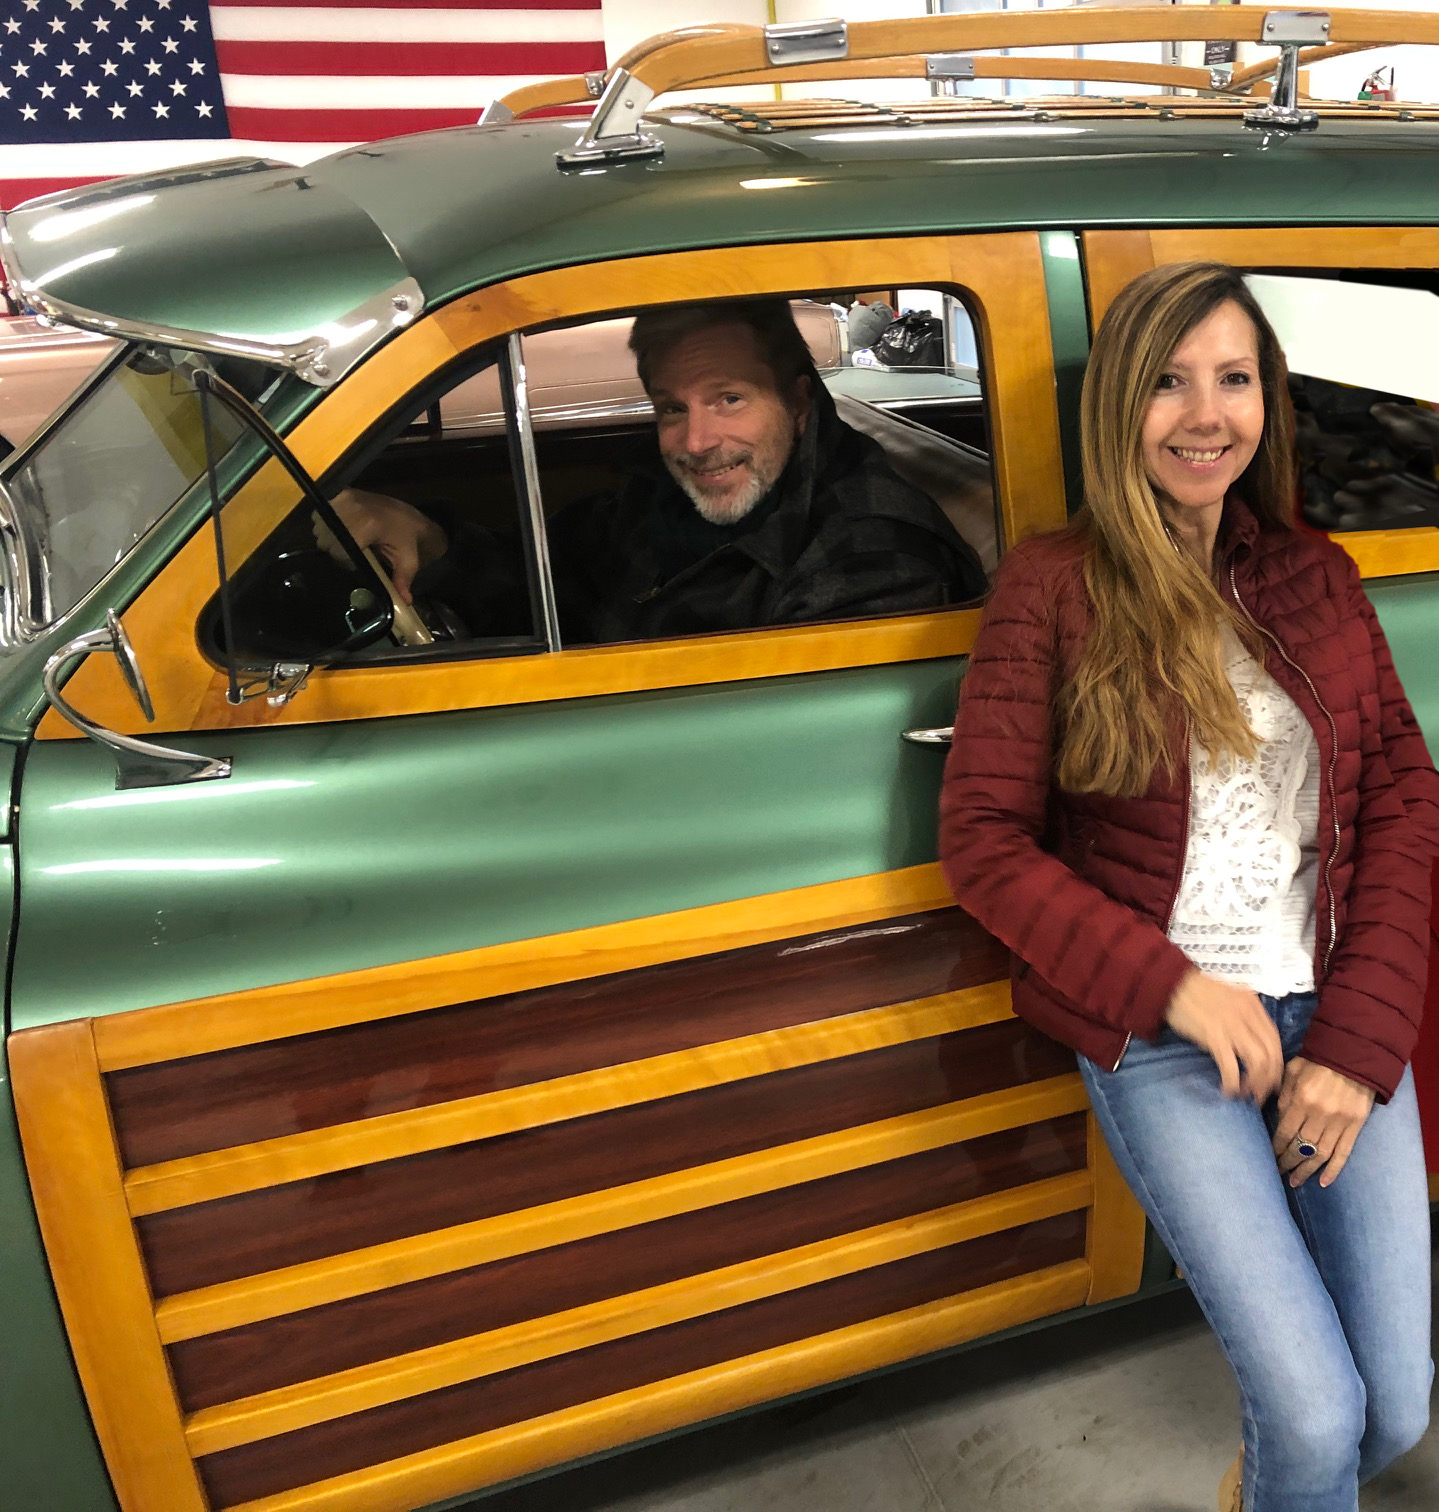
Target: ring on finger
[(1305, 1148)]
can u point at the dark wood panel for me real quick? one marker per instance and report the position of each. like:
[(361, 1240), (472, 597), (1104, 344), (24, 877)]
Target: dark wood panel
[(345, 1210), (321, 1340), (440, 1417), (235, 1097)]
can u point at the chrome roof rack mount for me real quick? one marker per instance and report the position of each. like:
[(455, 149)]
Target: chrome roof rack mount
[(1289, 31)]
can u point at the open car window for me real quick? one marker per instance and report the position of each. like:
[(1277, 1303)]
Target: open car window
[(1365, 385), (878, 496)]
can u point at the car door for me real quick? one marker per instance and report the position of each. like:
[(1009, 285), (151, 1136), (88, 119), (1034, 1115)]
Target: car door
[(523, 1054), (1398, 562)]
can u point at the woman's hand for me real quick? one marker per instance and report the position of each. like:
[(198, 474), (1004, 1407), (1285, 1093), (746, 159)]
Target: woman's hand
[(1231, 1024), (1324, 1108)]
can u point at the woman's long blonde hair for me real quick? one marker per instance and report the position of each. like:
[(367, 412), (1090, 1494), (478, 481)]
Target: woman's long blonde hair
[(1155, 654)]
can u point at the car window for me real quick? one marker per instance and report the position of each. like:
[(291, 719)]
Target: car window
[(122, 456), (1360, 348)]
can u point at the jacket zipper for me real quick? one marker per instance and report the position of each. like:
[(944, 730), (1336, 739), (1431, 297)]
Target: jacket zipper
[(1333, 758)]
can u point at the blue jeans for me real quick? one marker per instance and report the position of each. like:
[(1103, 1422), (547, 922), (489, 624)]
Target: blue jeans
[(1320, 1297)]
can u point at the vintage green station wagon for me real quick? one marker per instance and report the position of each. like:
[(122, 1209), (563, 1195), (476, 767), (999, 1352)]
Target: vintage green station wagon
[(436, 1056)]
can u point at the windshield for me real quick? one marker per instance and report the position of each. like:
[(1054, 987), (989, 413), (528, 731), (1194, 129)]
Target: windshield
[(113, 466)]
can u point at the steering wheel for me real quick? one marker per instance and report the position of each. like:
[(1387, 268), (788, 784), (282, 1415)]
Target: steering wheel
[(408, 627)]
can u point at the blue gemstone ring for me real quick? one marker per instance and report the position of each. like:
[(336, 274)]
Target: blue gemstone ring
[(1306, 1149)]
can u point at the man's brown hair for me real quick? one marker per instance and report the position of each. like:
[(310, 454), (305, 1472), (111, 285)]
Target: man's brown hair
[(777, 338)]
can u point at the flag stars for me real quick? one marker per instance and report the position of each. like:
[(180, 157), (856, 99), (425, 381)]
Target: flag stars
[(82, 47), (171, 45), (117, 111), (47, 91), (204, 110), (72, 112), (152, 67), (20, 70), (57, 25), (109, 68), (29, 112), (127, 46), (177, 88), (146, 24), (38, 48), (12, 27), (135, 89), (189, 23), (162, 110), (91, 90), (31, 5), (66, 69), (196, 67), (101, 24), (4, 91)]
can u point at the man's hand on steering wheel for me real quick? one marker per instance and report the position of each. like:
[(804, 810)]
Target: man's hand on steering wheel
[(408, 539)]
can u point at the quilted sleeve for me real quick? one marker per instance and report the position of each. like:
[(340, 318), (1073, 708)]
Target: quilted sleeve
[(1405, 752), (1372, 999), (1111, 965)]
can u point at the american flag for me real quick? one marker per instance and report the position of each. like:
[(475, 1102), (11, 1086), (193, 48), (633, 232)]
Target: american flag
[(94, 88)]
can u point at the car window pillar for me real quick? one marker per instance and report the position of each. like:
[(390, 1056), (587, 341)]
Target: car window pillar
[(515, 388)]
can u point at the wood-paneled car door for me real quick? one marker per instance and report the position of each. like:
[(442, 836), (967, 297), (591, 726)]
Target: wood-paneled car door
[(521, 1056), (1399, 562)]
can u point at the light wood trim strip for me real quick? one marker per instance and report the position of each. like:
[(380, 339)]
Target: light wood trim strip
[(296, 1157), (1391, 553), (74, 1171), (1114, 1245), (1002, 269), (233, 1303), (146, 1036), (300, 1406), (504, 1454)]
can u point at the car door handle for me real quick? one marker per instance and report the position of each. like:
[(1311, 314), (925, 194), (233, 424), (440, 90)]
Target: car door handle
[(939, 736)]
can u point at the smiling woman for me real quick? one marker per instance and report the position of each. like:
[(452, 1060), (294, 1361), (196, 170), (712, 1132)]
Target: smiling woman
[(1187, 791)]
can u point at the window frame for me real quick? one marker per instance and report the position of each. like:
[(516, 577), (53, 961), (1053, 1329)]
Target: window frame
[(1002, 278)]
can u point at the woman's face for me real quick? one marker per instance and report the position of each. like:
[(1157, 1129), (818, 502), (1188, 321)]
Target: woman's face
[(1207, 413)]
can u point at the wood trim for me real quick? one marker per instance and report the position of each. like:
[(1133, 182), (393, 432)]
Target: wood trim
[(1113, 258), (300, 1406), (146, 1036), (507, 1453), (296, 1157), (74, 1171), (1391, 553), (1003, 269), (1114, 1246), (234, 1303)]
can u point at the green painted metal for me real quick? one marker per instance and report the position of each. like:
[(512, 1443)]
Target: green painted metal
[(464, 208), (1408, 609), (342, 846), (48, 1455), (1069, 341), (267, 255)]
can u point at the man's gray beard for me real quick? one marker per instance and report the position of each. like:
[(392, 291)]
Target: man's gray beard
[(731, 511)]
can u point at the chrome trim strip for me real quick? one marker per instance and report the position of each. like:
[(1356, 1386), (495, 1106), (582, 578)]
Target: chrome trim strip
[(534, 504), (25, 612)]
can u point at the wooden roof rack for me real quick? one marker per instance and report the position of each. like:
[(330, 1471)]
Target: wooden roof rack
[(723, 55)]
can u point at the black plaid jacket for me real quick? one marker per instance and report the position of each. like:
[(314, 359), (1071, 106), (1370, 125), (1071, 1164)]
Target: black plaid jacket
[(840, 536)]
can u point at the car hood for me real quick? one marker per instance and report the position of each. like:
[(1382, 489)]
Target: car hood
[(153, 257)]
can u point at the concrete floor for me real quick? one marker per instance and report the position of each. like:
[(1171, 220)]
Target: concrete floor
[(1131, 1411)]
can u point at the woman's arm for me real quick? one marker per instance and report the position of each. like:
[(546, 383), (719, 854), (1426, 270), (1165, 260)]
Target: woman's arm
[(1111, 964)]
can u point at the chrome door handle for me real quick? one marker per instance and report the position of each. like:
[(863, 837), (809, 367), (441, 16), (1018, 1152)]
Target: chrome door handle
[(940, 736)]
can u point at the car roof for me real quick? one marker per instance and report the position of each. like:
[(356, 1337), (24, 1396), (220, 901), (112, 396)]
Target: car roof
[(270, 254)]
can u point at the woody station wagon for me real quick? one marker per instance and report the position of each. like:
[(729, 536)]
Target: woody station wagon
[(440, 1057)]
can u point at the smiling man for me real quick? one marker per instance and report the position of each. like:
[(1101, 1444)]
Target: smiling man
[(760, 507)]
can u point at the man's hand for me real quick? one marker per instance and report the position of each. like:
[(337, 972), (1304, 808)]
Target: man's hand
[(1323, 1108), (407, 539), (1231, 1024)]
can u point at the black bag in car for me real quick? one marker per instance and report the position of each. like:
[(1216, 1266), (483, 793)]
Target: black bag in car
[(914, 340)]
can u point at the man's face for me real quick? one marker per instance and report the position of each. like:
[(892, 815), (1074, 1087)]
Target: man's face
[(725, 430)]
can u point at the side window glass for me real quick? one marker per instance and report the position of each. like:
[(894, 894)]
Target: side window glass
[(749, 464), (1360, 347)]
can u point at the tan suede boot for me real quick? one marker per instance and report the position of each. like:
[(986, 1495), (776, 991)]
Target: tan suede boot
[(1231, 1492)]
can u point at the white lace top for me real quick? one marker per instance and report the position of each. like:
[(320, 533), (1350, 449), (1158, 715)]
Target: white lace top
[(1245, 910)]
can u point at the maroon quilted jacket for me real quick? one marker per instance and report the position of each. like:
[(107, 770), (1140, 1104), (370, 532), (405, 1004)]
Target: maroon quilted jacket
[(1080, 886)]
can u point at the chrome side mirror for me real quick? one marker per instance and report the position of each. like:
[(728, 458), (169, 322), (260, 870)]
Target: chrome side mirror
[(138, 763)]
